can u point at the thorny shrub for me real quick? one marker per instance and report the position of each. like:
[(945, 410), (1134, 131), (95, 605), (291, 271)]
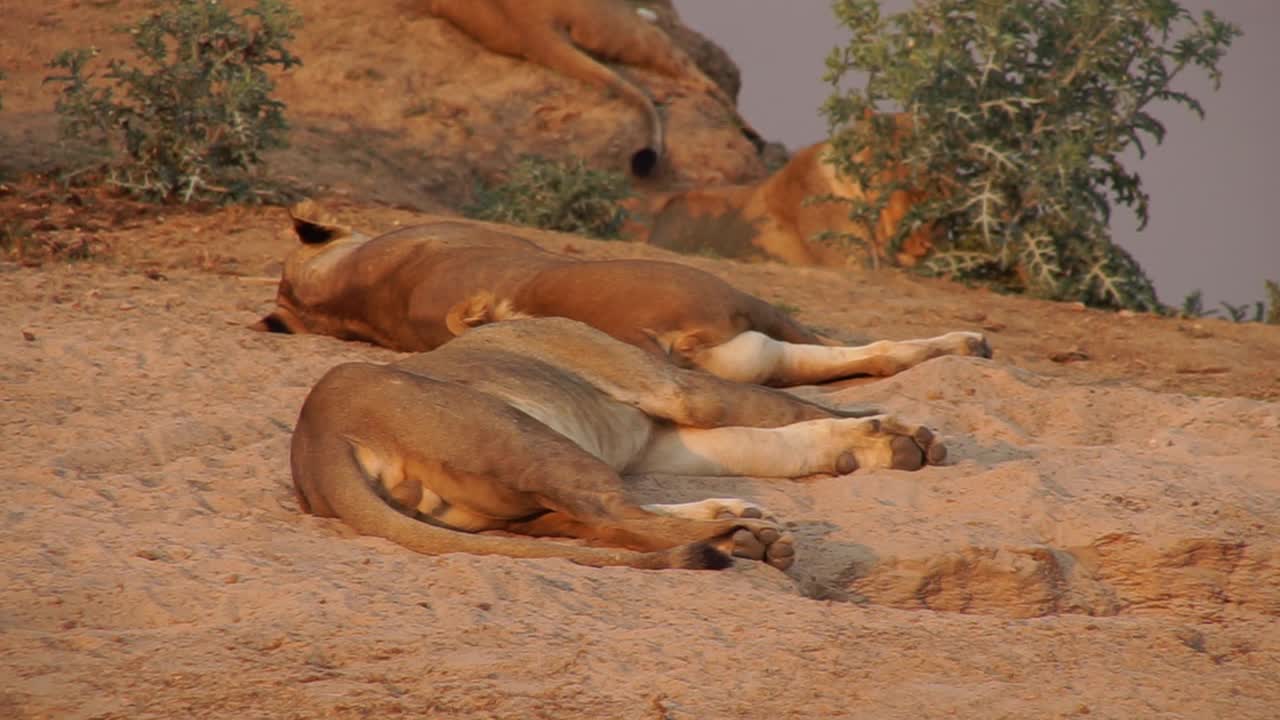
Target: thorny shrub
[(196, 113), (1023, 111), (564, 196)]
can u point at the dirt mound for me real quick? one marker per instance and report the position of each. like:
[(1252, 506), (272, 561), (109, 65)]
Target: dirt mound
[(395, 105), (1104, 543), (1096, 548)]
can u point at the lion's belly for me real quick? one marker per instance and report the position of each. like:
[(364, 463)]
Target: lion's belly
[(614, 432)]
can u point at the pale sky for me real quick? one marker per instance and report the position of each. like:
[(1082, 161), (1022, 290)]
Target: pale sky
[(1213, 184)]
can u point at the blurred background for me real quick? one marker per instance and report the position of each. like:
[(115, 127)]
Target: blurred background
[(1213, 183)]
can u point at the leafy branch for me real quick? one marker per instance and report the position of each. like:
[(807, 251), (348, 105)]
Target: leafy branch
[(1020, 113), (196, 112)]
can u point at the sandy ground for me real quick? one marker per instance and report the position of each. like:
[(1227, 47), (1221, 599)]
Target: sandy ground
[(1103, 543), (1095, 548), (389, 103)]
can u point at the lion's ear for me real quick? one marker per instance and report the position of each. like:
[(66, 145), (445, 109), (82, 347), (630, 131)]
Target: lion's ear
[(279, 321), (314, 225), (473, 312)]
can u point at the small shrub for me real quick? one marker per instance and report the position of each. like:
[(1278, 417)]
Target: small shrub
[(563, 196), (1193, 305), (197, 112), (1264, 311), (21, 243), (1240, 313), (1022, 111)]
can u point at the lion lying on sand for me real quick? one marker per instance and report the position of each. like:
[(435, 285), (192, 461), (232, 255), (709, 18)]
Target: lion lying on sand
[(771, 219), (416, 288), (526, 426)]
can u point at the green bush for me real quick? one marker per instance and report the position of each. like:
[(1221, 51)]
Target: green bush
[(1022, 111), (563, 196), (197, 112), (1264, 311)]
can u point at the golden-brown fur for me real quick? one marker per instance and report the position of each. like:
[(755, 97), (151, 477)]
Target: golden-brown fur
[(559, 34), (526, 426), (416, 288), (772, 220), (400, 290)]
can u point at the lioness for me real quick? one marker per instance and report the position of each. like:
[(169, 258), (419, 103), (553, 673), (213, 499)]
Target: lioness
[(559, 33), (526, 426), (416, 288), (771, 219)]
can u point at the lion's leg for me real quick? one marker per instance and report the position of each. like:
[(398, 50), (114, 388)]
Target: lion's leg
[(754, 357), (698, 399), (839, 446), (482, 22), (778, 551), (708, 509), (746, 533), (642, 45)]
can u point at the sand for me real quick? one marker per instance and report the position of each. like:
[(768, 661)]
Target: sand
[(1093, 548), (1102, 544)]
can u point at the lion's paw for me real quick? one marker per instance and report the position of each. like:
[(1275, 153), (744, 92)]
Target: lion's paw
[(884, 442), (765, 540), (972, 344)]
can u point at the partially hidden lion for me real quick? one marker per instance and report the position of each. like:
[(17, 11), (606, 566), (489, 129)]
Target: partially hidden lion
[(416, 288), (565, 34), (527, 426), (773, 220)]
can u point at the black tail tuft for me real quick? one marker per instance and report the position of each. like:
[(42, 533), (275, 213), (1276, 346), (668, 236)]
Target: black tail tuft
[(701, 556), (644, 162)]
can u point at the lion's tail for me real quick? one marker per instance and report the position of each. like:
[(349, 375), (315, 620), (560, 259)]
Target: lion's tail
[(646, 159), (349, 494), (772, 321)]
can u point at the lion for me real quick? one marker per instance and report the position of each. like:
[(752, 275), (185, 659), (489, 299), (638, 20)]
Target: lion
[(527, 426), (772, 220), (417, 288), (559, 34)]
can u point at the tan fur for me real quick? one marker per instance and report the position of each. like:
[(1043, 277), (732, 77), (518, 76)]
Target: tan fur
[(526, 426), (772, 220), (414, 289), (559, 33)]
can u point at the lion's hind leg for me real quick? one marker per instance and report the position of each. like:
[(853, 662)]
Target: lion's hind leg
[(754, 357), (730, 526), (369, 447), (774, 546), (837, 445), (708, 509), (628, 39)]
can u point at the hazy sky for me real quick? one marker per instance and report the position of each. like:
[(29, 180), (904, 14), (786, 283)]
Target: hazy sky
[(1212, 183)]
